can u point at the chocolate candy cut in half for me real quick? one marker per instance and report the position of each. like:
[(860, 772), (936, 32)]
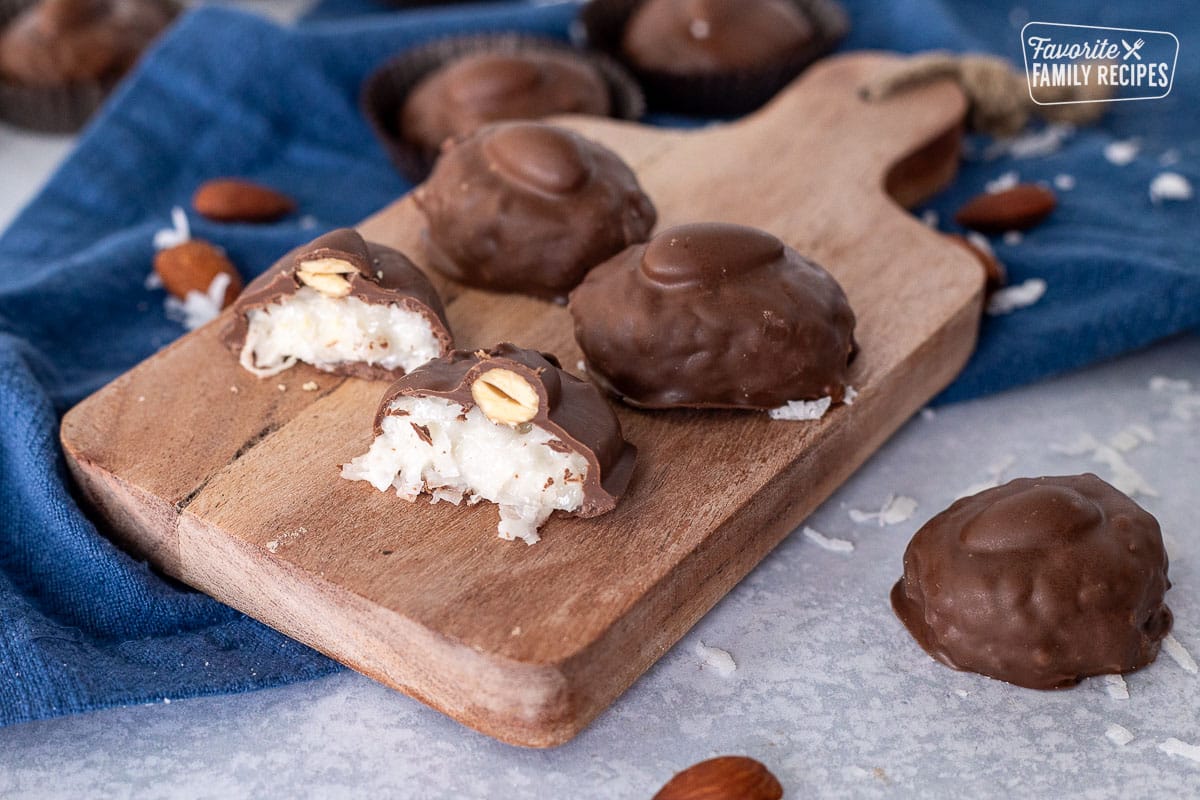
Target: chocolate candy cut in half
[(343, 305), (506, 425)]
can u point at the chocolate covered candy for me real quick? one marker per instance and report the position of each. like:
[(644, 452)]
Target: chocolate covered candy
[(714, 315), (527, 207), (481, 88), (343, 305), (506, 425), (703, 36), (1040, 582), (59, 42)]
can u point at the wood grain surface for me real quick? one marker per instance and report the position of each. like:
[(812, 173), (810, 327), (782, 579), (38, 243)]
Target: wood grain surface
[(231, 484)]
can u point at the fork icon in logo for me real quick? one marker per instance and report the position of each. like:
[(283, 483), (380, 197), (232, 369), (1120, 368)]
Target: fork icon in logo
[(1132, 49)]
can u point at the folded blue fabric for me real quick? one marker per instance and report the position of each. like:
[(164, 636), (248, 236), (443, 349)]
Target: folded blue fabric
[(83, 626)]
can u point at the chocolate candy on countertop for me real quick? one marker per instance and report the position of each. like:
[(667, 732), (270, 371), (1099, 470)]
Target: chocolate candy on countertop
[(527, 207), (713, 315), (477, 89), (343, 304), (59, 42), (1040, 582), (701, 36), (559, 446)]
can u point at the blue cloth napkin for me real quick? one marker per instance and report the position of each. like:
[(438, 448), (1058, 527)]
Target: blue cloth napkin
[(83, 626)]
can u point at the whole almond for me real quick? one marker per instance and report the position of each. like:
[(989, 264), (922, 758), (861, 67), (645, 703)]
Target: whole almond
[(192, 266), (996, 274), (237, 200), (724, 778), (1015, 209)]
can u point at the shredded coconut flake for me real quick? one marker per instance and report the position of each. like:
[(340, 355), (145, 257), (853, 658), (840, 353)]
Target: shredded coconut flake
[(850, 396), (1123, 475), (1116, 687), (716, 659), (1011, 298), (310, 386), (1185, 407), (1131, 437), (1118, 735), (197, 309), (1161, 383), (1064, 182), (995, 472), (801, 410), (1174, 747), (177, 234), (1006, 181), (930, 217), (981, 242), (1042, 142), (826, 543), (1179, 654), (897, 509), (1170, 186), (1121, 152)]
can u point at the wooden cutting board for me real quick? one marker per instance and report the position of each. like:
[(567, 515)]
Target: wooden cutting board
[(231, 484)]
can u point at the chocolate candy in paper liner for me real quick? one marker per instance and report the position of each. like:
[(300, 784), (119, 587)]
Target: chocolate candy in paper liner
[(54, 86), (387, 89), (727, 92)]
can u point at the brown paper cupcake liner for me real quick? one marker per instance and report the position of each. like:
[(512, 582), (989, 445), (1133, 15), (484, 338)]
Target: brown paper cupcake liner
[(386, 89), (52, 109), (722, 94)]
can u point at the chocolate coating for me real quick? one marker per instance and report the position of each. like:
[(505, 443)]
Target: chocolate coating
[(571, 409), (477, 89), (384, 277), (714, 315), (57, 42), (1040, 582), (527, 207), (705, 36)]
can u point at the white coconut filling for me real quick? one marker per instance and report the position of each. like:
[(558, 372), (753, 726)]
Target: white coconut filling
[(325, 331), (472, 459)]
